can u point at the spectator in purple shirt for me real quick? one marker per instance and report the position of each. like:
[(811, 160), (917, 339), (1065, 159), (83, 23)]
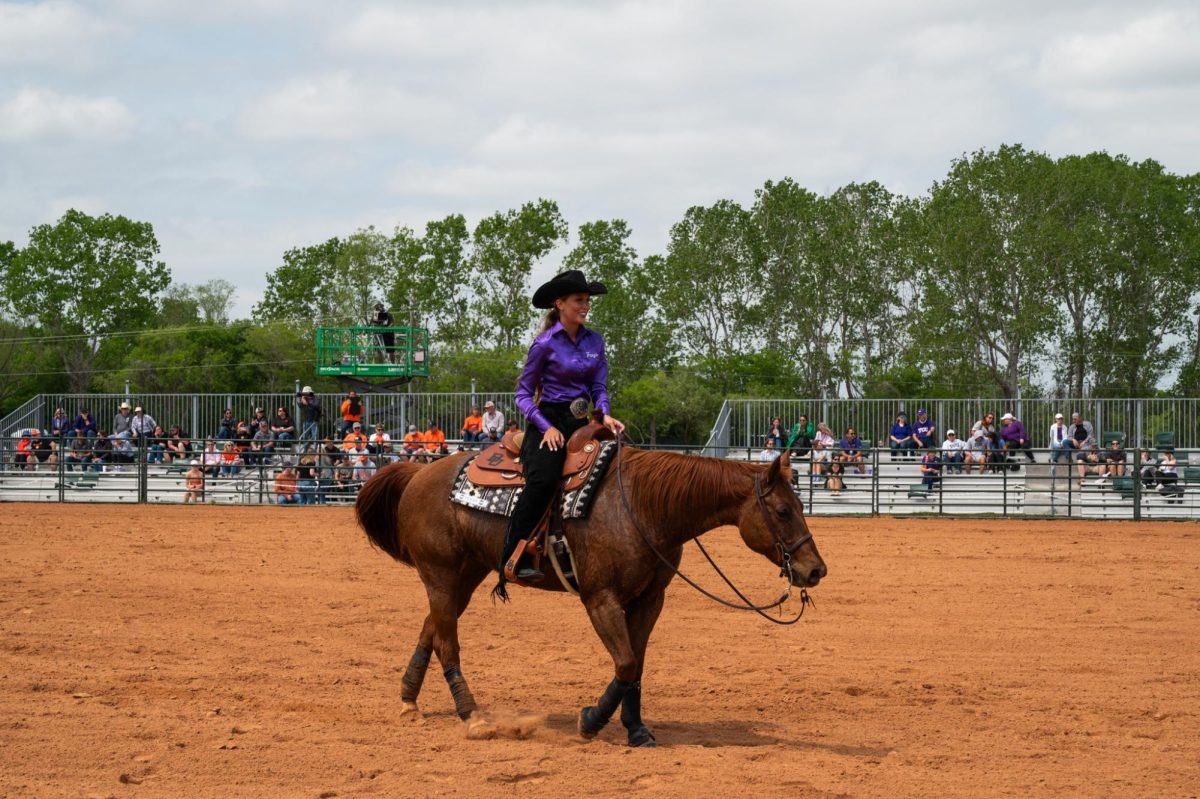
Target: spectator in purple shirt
[(850, 450), (85, 423), (566, 362), (901, 437), (923, 430), (1012, 434)]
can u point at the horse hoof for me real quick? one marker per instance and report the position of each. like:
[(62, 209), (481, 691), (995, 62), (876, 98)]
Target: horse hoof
[(642, 738), (408, 710), (480, 729), (590, 723)]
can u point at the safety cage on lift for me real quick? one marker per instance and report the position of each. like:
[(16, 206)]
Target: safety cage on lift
[(397, 353)]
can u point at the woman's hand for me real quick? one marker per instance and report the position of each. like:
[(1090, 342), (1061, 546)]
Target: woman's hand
[(552, 438), (614, 425)]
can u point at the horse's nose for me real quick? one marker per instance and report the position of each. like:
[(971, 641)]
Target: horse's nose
[(817, 574)]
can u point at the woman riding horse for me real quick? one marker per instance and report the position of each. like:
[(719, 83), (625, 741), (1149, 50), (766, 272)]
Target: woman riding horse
[(565, 362)]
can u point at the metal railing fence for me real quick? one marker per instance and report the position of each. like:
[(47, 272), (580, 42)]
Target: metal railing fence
[(1139, 419), (200, 414), (882, 482)]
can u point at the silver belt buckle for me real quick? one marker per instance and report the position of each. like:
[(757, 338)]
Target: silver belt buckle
[(579, 407)]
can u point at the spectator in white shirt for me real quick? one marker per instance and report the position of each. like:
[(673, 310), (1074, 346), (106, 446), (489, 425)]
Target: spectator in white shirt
[(1061, 442), (954, 452), (493, 422), (770, 453)]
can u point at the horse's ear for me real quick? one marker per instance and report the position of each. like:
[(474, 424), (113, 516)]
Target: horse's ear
[(780, 468)]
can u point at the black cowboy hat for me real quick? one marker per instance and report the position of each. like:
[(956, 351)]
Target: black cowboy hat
[(561, 285)]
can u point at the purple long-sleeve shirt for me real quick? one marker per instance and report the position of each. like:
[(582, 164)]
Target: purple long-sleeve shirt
[(1014, 432), (564, 370)]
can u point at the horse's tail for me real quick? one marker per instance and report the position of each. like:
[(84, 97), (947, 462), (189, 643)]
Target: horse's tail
[(377, 508)]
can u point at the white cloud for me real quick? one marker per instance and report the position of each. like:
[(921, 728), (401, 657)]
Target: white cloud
[(341, 107), (50, 33), (41, 114)]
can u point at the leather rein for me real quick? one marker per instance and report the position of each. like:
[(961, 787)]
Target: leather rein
[(785, 556)]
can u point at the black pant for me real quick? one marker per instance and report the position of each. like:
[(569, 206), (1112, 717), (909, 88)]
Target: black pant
[(543, 468)]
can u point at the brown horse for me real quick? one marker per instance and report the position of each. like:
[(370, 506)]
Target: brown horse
[(660, 501)]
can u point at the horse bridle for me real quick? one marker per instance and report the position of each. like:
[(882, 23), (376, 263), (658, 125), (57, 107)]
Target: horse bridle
[(785, 557), (785, 552)]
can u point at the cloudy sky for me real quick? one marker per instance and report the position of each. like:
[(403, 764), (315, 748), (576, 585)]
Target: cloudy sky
[(240, 128)]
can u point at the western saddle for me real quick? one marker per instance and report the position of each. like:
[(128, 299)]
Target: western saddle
[(500, 465)]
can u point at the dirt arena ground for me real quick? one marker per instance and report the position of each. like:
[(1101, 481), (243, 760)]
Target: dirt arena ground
[(204, 651)]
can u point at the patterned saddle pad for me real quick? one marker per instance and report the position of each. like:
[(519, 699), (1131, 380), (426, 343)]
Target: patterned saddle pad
[(501, 500)]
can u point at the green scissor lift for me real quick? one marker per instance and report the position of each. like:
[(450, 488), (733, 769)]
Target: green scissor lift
[(356, 355)]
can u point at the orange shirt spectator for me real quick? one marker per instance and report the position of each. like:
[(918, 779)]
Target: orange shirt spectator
[(473, 424), (285, 487), (413, 439), (356, 440), (435, 439), (352, 411)]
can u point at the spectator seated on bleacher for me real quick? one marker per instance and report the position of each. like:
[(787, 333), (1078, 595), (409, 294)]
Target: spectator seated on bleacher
[(364, 466), (834, 481), (776, 433), (123, 421), (286, 488), (193, 483), (900, 439), (231, 460), (210, 461), (142, 426), (1115, 458), (354, 440), (227, 425), (60, 424), (1168, 477), (822, 451), (435, 441), (45, 452), (178, 445), (1061, 442), (1148, 471), (380, 445), (931, 469), (306, 480), (158, 446), (122, 452), (282, 426), (261, 448), (259, 421), (801, 438), (472, 429), (413, 445), (86, 423), (1082, 435), (1091, 461), (769, 452), (493, 422), (924, 430), (954, 452), (850, 450), (101, 451), (24, 459), (1014, 437), (79, 451)]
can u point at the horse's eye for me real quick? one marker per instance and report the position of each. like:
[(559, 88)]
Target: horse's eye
[(783, 511)]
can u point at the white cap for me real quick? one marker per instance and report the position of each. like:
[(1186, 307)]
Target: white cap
[(194, 462), (138, 409), (951, 433), (124, 405), (306, 390), (1006, 417), (1058, 416)]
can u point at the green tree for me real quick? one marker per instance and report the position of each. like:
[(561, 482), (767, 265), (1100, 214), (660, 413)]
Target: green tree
[(712, 293), (299, 289), (82, 278), (507, 245), (982, 254)]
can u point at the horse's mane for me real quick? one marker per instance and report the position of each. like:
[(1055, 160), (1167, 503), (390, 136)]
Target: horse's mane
[(665, 487)]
